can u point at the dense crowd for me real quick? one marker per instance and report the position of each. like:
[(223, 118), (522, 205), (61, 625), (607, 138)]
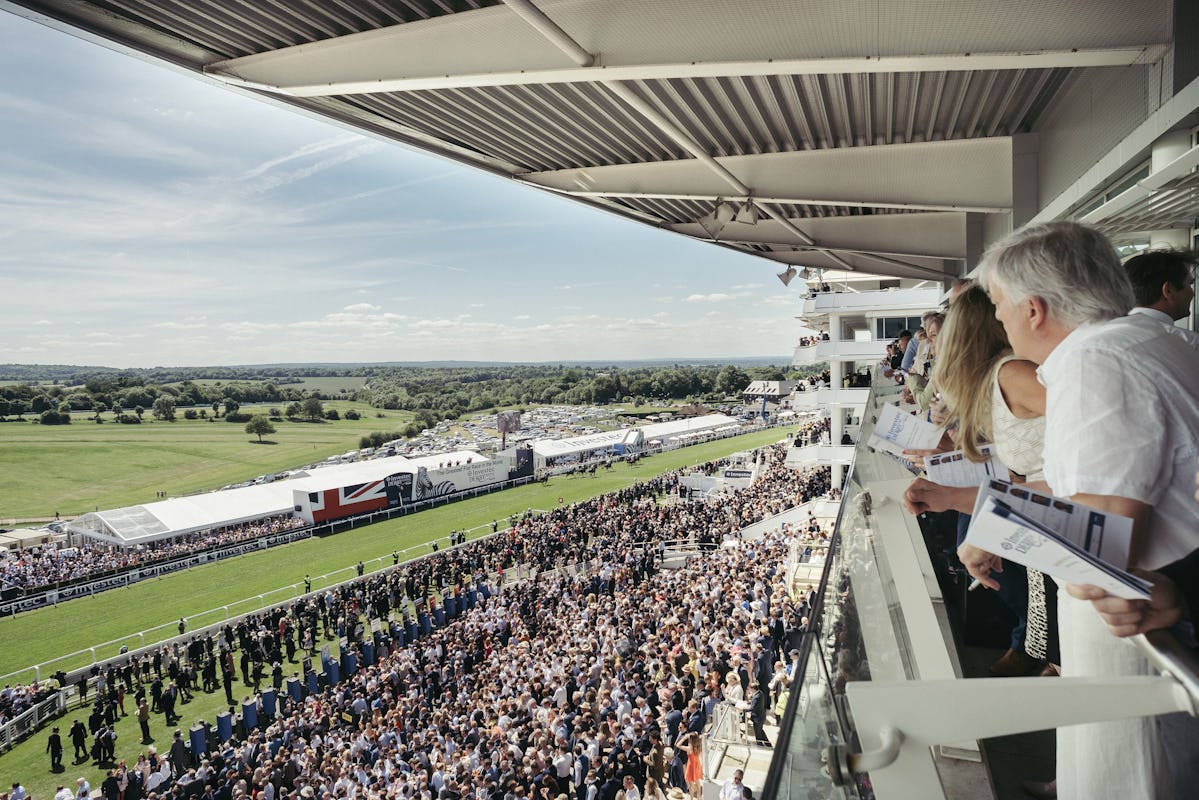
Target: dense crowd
[(567, 684), (814, 432), (51, 564), (15, 700)]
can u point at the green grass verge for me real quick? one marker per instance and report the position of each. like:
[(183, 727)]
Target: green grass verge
[(83, 466), (50, 632), (330, 384)]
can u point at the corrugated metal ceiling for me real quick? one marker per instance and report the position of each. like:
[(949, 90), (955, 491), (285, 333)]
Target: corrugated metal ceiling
[(534, 127)]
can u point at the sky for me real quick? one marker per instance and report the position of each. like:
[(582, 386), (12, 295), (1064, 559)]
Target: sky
[(148, 218)]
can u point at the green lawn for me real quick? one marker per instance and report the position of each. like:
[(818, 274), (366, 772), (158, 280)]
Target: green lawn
[(330, 385), (79, 467), (50, 632)]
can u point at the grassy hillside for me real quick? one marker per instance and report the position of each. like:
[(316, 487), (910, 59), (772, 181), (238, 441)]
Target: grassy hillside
[(79, 467)]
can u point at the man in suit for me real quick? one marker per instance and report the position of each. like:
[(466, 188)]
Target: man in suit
[(676, 775), (78, 734), (54, 748), (757, 713), (110, 789), (169, 696), (179, 755), (672, 720)]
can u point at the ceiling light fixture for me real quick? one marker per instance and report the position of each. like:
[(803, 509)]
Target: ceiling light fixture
[(748, 214), (720, 216)]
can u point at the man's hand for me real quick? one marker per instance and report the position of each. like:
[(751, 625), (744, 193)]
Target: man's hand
[(1123, 617), (980, 564)]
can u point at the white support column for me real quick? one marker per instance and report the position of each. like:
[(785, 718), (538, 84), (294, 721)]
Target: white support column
[(1166, 150), (836, 371)]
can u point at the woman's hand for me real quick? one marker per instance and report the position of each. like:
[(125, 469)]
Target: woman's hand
[(924, 495), (980, 564)]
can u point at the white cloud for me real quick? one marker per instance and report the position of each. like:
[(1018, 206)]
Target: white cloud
[(179, 326), (716, 297), (362, 307), (779, 301), (305, 150)]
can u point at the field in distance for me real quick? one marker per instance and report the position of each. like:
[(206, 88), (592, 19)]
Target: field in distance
[(73, 469)]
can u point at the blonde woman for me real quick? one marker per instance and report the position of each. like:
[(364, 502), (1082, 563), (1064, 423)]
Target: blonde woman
[(993, 396)]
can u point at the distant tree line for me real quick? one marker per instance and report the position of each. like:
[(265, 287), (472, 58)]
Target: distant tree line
[(450, 393), (431, 393)]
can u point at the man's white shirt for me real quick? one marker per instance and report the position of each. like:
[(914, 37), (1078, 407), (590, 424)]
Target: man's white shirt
[(1122, 419)]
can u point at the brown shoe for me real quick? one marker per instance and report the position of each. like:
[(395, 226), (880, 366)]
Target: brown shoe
[(1041, 791), (1015, 664), (1051, 670)]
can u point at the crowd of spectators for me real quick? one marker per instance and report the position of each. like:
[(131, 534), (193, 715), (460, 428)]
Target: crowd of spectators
[(15, 700), (812, 432), (572, 683), (52, 564)]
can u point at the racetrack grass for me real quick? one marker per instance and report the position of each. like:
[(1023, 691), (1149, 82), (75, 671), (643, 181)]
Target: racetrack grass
[(76, 468), (49, 632), (55, 631)]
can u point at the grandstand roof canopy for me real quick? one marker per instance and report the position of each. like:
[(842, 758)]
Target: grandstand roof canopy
[(556, 448), (689, 425), (768, 388), (134, 525), (892, 138)]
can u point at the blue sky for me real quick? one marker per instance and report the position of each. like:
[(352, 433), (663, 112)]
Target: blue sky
[(148, 218)]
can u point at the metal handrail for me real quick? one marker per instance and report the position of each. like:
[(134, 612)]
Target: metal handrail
[(1173, 658), (28, 721)]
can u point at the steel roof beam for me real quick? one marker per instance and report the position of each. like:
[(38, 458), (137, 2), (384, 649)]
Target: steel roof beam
[(790, 200), (632, 40), (375, 79), (958, 174)]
